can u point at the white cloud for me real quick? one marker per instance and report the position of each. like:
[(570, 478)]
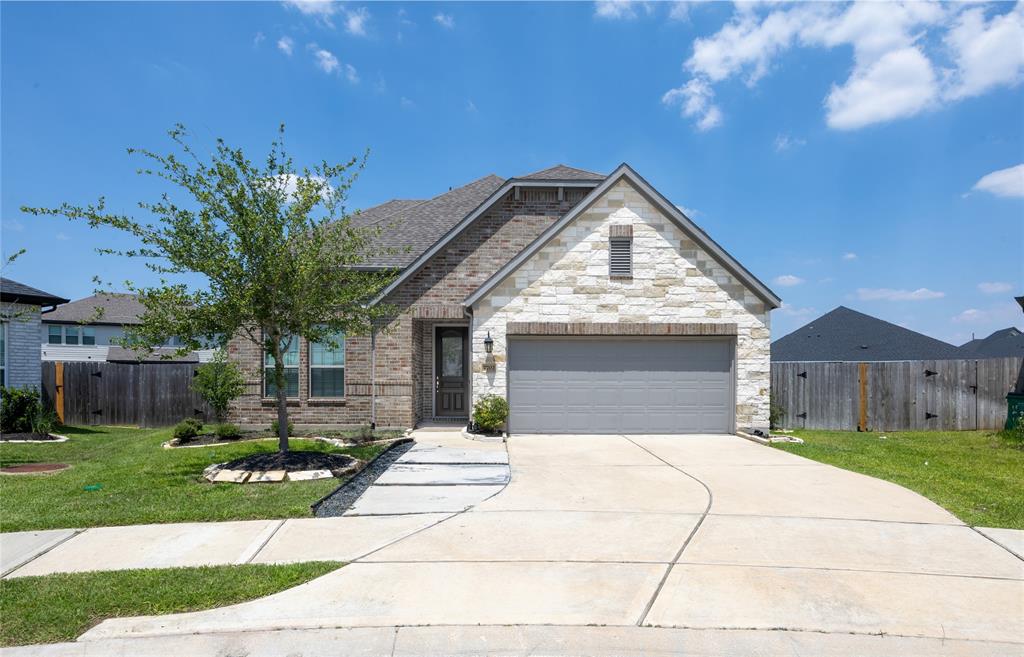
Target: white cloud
[(406, 103), (994, 316), (325, 60), (887, 294), (679, 11), (470, 106), (893, 75), (786, 142), (987, 53), (447, 21), (259, 38), (994, 287), (787, 280), (849, 255), (621, 9), (1005, 182), (692, 213), (355, 21), (695, 100), (791, 311), (62, 236), (286, 45), (291, 184), (351, 74), (321, 10)]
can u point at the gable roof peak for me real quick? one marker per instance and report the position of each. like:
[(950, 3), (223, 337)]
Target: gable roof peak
[(562, 172)]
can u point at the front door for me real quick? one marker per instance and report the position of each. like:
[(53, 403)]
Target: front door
[(451, 356)]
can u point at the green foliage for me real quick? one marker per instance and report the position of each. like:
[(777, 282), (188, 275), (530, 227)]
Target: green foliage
[(227, 430), (60, 607), (44, 421), (775, 414), (276, 428), (187, 429), (19, 408), (272, 243), (363, 433), (219, 382), (490, 412)]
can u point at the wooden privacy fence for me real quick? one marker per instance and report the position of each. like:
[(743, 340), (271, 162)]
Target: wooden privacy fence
[(142, 394), (894, 395)]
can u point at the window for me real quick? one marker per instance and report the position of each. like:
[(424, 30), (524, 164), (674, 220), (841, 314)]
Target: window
[(88, 335), (291, 370), (70, 335), (620, 257), (327, 368), (55, 335), (3, 354)]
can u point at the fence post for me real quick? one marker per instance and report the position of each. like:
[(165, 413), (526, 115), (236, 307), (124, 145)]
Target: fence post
[(58, 385)]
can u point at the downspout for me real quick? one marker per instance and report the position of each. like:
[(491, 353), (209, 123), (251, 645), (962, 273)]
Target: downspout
[(373, 378)]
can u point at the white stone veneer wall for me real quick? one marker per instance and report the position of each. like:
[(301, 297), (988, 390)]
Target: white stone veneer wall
[(673, 281)]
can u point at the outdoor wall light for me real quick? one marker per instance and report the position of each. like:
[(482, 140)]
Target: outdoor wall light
[(488, 343)]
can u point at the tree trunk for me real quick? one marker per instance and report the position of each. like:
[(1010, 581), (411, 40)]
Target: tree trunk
[(282, 393)]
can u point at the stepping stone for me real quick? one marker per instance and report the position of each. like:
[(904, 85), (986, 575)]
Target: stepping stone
[(230, 476), (267, 476), (309, 475), (444, 475), (435, 454)]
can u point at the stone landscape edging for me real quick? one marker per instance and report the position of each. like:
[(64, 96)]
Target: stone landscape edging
[(57, 438)]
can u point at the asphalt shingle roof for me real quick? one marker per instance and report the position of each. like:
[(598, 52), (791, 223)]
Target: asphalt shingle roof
[(562, 172), (412, 227), (847, 335), (12, 291), (1004, 342), (117, 308)]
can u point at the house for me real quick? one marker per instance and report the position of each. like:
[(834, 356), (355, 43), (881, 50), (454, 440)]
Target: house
[(847, 335), (589, 301), (20, 307), (1004, 342), (88, 330)]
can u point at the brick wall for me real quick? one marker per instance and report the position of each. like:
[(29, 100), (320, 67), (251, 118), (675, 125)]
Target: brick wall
[(23, 347)]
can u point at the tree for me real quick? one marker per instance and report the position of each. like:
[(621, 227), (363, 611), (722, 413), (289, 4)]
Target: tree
[(219, 382), (277, 254)]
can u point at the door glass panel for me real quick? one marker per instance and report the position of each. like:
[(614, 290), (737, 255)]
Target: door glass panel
[(451, 355)]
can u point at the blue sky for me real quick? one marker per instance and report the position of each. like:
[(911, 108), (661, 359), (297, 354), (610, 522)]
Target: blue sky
[(862, 155)]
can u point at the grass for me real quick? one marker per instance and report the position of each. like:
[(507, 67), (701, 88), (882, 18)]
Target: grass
[(140, 482), (976, 475), (55, 608)]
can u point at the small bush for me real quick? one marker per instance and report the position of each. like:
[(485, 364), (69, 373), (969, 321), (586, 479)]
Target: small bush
[(363, 433), (20, 406), (44, 421), (274, 426), (187, 429), (490, 412), (219, 382), (227, 430)]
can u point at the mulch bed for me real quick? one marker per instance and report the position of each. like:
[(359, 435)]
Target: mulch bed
[(15, 437), (292, 461), (34, 468)]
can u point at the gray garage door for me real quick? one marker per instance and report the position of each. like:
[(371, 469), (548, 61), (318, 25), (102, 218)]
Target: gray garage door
[(620, 385)]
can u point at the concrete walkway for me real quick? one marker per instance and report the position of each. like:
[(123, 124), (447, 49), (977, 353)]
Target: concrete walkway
[(632, 545)]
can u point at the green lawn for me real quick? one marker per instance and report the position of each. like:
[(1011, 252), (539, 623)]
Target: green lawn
[(976, 475), (57, 608), (142, 483)]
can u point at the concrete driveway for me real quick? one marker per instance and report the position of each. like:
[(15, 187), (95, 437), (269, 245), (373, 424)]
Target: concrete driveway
[(709, 533)]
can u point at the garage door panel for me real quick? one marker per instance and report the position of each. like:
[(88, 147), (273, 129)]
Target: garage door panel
[(652, 385)]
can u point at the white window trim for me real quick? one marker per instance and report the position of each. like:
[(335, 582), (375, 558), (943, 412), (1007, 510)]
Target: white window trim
[(310, 366), (63, 328), (298, 371)]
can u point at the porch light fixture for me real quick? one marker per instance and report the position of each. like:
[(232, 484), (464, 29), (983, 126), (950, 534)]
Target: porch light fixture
[(488, 343)]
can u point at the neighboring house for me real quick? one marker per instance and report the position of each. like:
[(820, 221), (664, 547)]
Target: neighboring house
[(591, 302), (88, 330), (847, 335), (1005, 342), (19, 332)]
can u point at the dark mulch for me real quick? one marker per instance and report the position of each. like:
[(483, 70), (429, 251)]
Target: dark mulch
[(15, 437), (34, 468), (292, 461), (345, 495)]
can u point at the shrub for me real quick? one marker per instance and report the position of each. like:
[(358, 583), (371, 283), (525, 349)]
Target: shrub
[(187, 429), (227, 430), (219, 382), (274, 426), (363, 433), (44, 421), (18, 409), (490, 412)]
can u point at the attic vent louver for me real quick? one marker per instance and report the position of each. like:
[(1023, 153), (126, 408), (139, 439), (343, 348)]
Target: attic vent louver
[(620, 252)]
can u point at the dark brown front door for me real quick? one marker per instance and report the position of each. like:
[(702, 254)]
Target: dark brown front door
[(450, 371)]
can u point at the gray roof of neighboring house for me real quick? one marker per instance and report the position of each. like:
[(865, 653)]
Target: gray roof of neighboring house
[(14, 292), (411, 227), (1004, 342), (849, 336), (562, 172), (114, 308)]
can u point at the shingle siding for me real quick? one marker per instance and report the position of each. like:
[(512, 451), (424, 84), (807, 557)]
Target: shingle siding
[(23, 365)]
